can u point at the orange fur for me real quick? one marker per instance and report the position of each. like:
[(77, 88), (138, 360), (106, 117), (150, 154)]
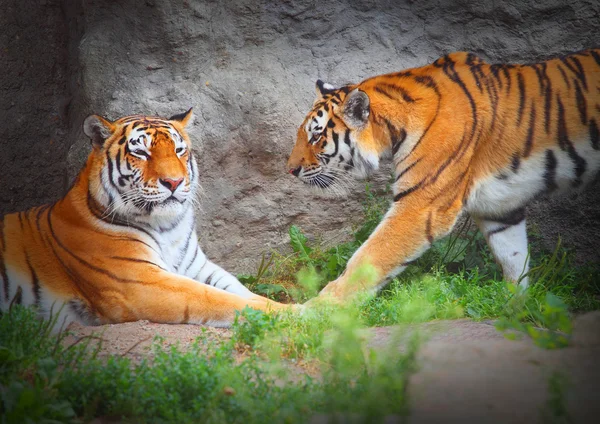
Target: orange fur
[(77, 252), (465, 136)]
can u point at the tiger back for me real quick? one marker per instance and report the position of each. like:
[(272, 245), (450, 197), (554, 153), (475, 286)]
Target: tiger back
[(122, 244), (464, 136)]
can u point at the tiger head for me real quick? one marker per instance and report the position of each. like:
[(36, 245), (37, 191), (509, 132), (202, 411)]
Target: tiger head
[(336, 140), (141, 166)]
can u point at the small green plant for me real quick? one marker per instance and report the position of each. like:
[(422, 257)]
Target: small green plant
[(552, 316), (251, 325), (298, 241)]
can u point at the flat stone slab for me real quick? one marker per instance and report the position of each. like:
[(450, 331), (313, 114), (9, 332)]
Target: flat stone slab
[(468, 371)]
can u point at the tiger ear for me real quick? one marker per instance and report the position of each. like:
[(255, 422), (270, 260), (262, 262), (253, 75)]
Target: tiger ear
[(356, 109), (183, 118), (323, 88), (98, 129)]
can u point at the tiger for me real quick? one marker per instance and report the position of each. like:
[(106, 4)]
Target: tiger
[(464, 137), (121, 245)]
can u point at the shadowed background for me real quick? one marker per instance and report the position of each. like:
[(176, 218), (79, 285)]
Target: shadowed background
[(248, 68)]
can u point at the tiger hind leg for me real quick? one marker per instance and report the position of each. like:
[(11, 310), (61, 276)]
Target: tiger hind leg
[(507, 239)]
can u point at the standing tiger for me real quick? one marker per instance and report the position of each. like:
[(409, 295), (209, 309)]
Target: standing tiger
[(122, 245), (465, 136)]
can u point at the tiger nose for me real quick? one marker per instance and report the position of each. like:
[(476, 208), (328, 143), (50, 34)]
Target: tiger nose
[(295, 171), (170, 183)]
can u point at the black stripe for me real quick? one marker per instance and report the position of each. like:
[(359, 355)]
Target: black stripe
[(217, 282), (76, 279), (427, 81), (455, 156), (336, 142), (428, 229), (581, 103), (201, 268), (406, 192), (19, 215), (530, 132), (594, 135), (18, 299), (185, 248), (506, 73), (34, 282), (540, 75), (390, 90), (550, 172), (435, 116), (347, 137), (474, 71), (578, 72), (564, 76), (494, 98), (397, 136), (596, 56), (511, 218), (521, 97), (498, 230), (192, 261), (142, 261), (118, 161), (494, 69), (209, 278), (117, 221), (110, 170), (453, 75), (408, 168), (83, 261), (567, 145), (516, 162)]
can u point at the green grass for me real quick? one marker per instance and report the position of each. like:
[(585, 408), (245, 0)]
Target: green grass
[(456, 277), (42, 380)]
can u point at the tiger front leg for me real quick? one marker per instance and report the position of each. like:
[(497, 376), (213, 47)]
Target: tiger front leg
[(403, 235), (170, 298)]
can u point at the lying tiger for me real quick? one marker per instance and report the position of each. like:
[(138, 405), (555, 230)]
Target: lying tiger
[(122, 244), (464, 136)]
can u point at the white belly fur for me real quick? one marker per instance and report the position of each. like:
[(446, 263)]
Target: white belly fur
[(494, 196)]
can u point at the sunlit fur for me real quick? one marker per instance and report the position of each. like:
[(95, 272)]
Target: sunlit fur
[(122, 244), (465, 136)]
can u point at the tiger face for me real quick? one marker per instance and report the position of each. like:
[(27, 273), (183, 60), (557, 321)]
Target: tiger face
[(144, 164), (333, 143)]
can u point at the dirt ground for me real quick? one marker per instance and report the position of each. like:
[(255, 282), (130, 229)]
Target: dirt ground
[(468, 371)]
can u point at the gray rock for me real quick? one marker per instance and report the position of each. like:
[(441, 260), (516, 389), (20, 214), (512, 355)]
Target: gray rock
[(248, 68)]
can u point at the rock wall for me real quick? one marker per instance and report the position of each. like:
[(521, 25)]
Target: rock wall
[(248, 68), (34, 99)]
